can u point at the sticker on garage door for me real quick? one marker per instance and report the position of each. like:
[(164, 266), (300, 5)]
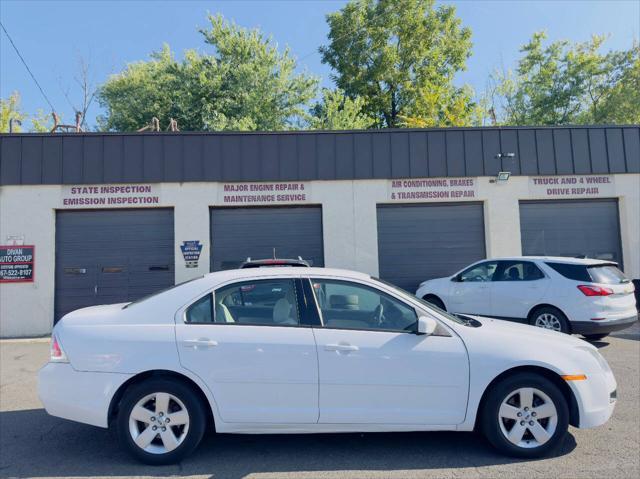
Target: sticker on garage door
[(433, 189), (264, 193), (572, 186)]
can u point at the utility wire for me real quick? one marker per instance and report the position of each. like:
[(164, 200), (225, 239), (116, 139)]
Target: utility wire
[(27, 66)]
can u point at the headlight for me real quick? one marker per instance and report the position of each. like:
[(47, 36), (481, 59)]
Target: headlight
[(595, 354)]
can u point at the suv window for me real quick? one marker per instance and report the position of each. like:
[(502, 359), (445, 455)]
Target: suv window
[(269, 302), (576, 272), (479, 273), (517, 271), (607, 274), (347, 305)]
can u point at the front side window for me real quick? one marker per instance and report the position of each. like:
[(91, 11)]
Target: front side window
[(347, 305), (517, 271), (479, 273), (270, 302)]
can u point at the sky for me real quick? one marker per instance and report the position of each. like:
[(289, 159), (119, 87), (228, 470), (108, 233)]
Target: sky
[(53, 35)]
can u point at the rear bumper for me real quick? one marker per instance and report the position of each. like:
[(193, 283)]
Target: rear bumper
[(602, 327), (77, 395)]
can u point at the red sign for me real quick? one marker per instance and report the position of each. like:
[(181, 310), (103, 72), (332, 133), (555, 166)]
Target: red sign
[(110, 196), (242, 193), (17, 263)]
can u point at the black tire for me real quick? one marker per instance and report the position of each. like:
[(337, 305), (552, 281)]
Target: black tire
[(491, 421), (437, 302), (595, 337), (554, 312), (196, 416)]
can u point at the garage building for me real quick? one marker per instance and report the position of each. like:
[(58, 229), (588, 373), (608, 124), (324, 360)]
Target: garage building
[(97, 218)]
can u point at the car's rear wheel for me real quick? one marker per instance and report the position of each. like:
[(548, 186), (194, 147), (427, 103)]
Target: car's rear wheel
[(160, 421), (595, 337), (437, 302), (525, 415), (552, 318)]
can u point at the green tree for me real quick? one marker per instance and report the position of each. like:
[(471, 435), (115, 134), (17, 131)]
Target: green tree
[(10, 109), (337, 111), (564, 83), (244, 84), (401, 57)]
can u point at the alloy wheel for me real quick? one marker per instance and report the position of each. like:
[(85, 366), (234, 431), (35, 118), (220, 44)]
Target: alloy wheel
[(528, 417), (548, 321), (159, 423)]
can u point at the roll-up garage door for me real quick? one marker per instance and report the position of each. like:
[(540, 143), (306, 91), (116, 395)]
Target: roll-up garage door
[(239, 233), (424, 241), (589, 228), (111, 256)]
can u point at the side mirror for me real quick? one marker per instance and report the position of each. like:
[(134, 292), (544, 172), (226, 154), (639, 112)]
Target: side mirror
[(457, 278), (426, 325)]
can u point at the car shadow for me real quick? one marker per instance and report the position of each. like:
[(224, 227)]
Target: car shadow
[(34, 444)]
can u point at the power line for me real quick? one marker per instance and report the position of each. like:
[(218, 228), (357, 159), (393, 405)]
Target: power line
[(27, 66)]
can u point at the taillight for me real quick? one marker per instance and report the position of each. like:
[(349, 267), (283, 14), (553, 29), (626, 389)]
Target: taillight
[(595, 290), (57, 354)]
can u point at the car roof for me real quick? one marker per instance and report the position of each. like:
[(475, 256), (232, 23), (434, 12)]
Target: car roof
[(247, 273), (559, 259)]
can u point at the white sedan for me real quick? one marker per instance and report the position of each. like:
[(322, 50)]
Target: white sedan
[(311, 350)]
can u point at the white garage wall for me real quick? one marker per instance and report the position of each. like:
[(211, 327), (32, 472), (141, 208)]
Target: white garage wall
[(349, 229)]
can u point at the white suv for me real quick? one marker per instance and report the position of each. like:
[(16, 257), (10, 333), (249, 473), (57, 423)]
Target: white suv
[(584, 296)]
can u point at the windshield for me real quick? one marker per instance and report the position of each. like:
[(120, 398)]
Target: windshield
[(607, 274), (153, 295), (422, 301)]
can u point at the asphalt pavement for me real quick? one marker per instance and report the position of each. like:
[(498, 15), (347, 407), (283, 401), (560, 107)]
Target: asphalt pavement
[(33, 444)]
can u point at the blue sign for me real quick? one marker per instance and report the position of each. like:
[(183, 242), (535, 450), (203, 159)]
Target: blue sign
[(191, 252)]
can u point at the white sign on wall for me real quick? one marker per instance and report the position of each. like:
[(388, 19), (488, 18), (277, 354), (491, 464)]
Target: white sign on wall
[(237, 194), (433, 189), (572, 186), (110, 196)]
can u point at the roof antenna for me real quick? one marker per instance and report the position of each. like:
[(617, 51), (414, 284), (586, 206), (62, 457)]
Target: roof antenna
[(274, 253)]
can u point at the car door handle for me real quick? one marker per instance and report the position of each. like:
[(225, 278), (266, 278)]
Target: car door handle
[(341, 347), (202, 342)]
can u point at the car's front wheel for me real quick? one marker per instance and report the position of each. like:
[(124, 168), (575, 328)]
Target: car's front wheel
[(160, 421), (525, 415)]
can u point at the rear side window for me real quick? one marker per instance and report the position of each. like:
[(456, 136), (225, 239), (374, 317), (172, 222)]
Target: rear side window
[(201, 311), (270, 302), (576, 272), (607, 274), (517, 271)]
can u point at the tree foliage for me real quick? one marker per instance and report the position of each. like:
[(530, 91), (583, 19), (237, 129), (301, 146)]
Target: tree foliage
[(10, 109), (246, 83), (564, 83), (401, 57), (337, 111)]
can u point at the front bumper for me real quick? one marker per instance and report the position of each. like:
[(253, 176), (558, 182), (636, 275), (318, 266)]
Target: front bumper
[(602, 327), (77, 395), (596, 397)]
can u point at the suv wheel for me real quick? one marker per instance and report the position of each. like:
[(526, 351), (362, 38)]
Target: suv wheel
[(549, 317), (525, 416), (160, 421), (595, 337), (435, 301)]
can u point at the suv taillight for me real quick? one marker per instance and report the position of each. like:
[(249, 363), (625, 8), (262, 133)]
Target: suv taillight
[(56, 353), (594, 290)]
